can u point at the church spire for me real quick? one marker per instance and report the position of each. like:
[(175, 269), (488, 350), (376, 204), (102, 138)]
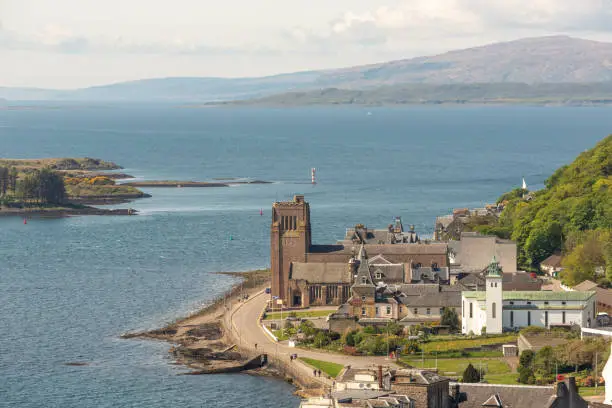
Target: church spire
[(364, 277), (494, 270)]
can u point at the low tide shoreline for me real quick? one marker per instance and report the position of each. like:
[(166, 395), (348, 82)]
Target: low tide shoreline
[(200, 341)]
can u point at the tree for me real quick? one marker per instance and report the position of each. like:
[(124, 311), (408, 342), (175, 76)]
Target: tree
[(42, 186), (526, 359), (470, 374), (526, 375), (450, 319)]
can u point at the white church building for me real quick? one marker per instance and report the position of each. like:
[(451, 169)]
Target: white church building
[(493, 310)]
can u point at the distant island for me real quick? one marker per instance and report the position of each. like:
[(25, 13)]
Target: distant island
[(62, 186), (543, 70)]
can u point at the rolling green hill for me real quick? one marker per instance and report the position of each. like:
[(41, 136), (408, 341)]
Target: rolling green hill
[(573, 214)]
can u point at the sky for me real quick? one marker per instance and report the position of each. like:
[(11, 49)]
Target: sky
[(65, 44)]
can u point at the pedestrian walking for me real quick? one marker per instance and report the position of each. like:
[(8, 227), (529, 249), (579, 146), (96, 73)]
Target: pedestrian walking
[(314, 372), (255, 346), (319, 373)]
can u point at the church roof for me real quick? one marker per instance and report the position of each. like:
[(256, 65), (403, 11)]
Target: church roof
[(494, 270), (321, 272), (533, 295)]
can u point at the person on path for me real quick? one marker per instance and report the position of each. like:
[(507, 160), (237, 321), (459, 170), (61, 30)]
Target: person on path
[(319, 373), (255, 346), (314, 372)]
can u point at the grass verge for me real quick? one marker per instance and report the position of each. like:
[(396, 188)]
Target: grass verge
[(331, 369)]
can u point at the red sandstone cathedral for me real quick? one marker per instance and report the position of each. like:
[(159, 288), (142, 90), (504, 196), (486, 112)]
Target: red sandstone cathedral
[(304, 274)]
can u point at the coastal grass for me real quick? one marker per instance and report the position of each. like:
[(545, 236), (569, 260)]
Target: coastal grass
[(331, 369), (301, 314), (455, 344)]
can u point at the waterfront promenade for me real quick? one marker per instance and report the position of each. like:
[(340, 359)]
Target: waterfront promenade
[(243, 321)]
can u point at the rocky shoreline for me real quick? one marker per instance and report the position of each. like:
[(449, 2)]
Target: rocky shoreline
[(201, 341)]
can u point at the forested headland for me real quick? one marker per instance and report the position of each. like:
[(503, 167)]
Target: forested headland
[(572, 215), (60, 183)]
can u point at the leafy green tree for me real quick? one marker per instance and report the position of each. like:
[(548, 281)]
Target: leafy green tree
[(470, 374), (450, 319), (526, 358), (526, 375)]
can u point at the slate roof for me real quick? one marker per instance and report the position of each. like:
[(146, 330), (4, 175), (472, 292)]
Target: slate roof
[(437, 299), (390, 273), (510, 396), (586, 285), (321, 272), (553, 261)]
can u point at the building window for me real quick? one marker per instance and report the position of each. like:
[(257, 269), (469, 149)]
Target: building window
[(563, 317), (563, 303), (493, 310), (495, 284), (528, 303), (377, 311), (417, 266), (511, 318), (545, 303), (441, 311), (363, 298), (428, 311), (463, 309), (388, 310), (546, 318), (415, 311), (434, 266), (511, 303), (528, 318), (471, 310), (363, 311), (399, 308), (364, 280), (378, 275)]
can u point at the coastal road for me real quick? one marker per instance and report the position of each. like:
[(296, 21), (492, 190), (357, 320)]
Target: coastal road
[(245, 324)]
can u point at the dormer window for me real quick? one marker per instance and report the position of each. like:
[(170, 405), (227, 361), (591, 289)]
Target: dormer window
[(378, 275), (364, 280)]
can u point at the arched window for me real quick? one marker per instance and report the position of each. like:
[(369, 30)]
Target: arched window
[(493, 310), (471, 310)]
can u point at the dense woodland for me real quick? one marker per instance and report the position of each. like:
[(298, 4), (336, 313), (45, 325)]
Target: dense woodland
[(572, 215)]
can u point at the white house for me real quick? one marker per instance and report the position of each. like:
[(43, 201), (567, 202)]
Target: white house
[(494, 310)]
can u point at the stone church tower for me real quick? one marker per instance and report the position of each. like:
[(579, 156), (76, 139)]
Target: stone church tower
[(290, 241)]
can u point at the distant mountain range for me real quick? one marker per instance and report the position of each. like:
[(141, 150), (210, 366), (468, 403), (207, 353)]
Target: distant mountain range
[(511, 70)]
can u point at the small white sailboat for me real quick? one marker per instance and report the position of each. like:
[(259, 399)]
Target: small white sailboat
[(524, 184)]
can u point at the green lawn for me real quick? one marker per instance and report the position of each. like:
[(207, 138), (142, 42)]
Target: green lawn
[(460, 344), (283, 334), (508, 378), (455, 366), (306, 313), (331, 369), (591, 391)]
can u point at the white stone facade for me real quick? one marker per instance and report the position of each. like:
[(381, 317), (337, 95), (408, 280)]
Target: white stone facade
[(525, 308)]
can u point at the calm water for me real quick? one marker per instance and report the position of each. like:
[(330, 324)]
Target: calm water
[(70, 287)]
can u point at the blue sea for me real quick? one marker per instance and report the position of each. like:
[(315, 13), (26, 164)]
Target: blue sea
[(69, 287)]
